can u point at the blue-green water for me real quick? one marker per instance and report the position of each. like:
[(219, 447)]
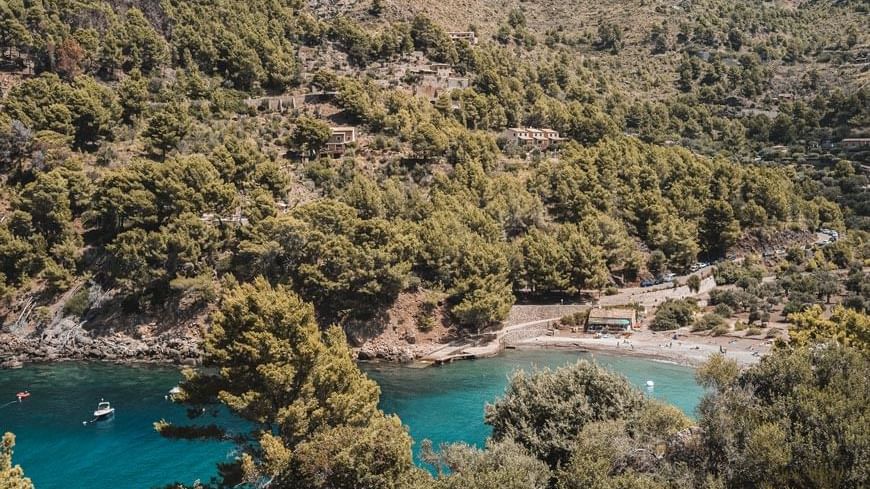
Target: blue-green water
[(57, 451), (443, 404)]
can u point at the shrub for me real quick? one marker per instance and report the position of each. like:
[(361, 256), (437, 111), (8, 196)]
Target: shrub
[(200, 287), (708, 322), (78, 304), (426, 314), (754, 316), (737, 300), (576, 319), (740, 326), (753, 332), (42, 314), (720, 330), (611, 291), (723, 310), (425, 323), (793, 306), (673, 314), (545, 410)]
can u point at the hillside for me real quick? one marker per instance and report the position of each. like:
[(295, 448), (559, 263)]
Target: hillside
[(155, 154)]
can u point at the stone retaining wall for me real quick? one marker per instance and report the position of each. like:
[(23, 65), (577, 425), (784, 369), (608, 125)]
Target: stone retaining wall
[(525, 313)]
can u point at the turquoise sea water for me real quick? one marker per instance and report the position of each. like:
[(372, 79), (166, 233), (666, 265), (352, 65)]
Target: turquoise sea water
[(443, 404), (57, 451)]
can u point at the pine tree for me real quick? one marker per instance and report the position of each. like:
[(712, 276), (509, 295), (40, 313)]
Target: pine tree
[(11, 476)]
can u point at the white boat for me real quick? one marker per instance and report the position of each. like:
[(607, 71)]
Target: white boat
[(104, 410), (173, 393)]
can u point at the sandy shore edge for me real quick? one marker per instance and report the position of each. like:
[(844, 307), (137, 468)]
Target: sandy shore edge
[(687, 350)]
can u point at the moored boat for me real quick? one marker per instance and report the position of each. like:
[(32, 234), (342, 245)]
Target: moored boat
[(104, 410)]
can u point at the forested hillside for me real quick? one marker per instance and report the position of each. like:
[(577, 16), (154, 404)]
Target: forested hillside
[(248, 185), (155, 153)]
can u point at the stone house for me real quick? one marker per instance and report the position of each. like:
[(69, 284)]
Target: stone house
[(341, 137), (468, 36), (531, 137)]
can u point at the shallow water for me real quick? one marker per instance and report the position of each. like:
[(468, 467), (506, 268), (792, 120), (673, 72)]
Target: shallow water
[(443, 404)]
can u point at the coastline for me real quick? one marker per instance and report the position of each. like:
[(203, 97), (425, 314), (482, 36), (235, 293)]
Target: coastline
[(602, 349), (687, 350), (164, 349)]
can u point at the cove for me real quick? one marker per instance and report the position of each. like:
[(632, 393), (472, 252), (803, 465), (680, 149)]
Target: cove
[(443, 404), (57, 451)]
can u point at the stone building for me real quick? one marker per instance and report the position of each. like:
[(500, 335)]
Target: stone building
[(340, 139)]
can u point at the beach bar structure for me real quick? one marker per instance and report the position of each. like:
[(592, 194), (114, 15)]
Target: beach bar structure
[(611, 320)]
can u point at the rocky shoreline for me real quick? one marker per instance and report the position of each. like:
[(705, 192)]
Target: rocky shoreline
[(68, 341), (390, 351)]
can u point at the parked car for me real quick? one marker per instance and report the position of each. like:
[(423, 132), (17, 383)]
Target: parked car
[(647, 282), (669, 277)]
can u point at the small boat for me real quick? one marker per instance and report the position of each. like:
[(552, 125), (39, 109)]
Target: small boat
[(22, 395), (650, 383), (104, 410)]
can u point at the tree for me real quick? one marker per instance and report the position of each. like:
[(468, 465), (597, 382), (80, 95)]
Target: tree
[(374, 456), (610, 37), (11, 476), (428, 141), (543, 262), (694, 283), (677, 238), (502, 465), (659, 38), (310, 135), (349, 267), (827, 284), (657, 263), (604, 458), (141, 46), (717, 372), (719, 230), (586, 263), (846, 326), (545, 411), (481, 301), (273, 366), (166, 128), (673, 314), (69, 58), (133, 96), (93, 109), (798, 418), (376, 8), (433, 40)]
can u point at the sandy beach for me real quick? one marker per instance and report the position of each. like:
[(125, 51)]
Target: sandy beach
[(688, 349)]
